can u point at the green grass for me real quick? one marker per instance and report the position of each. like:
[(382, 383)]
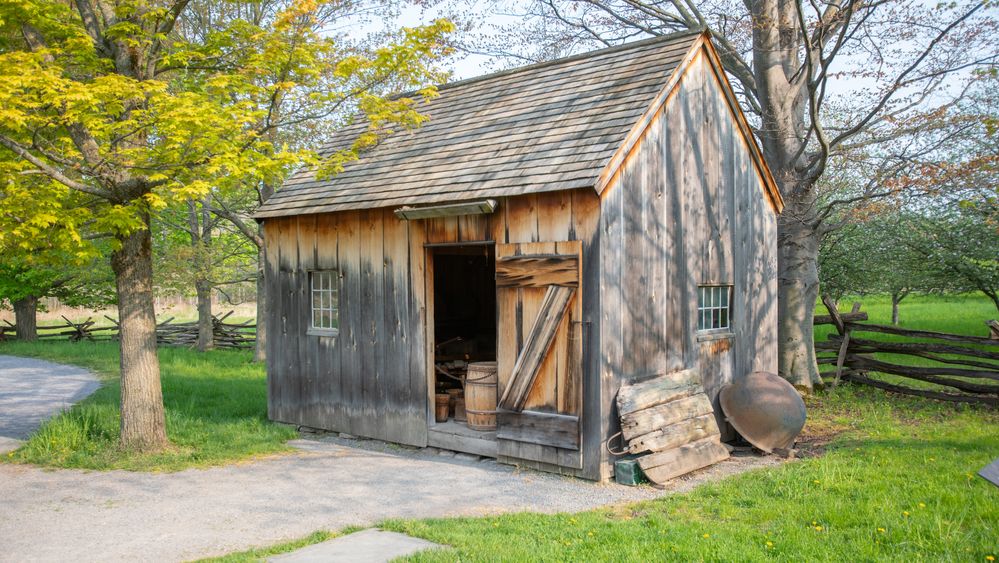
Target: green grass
[(216, 411), (957, 314)]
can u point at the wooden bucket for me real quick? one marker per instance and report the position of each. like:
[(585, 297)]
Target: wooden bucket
[(480, 395), (453, 394), (441, 407)]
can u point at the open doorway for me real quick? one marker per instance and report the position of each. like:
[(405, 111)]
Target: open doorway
[(464, 332)]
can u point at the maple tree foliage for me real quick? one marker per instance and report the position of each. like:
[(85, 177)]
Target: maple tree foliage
[(108, 116)]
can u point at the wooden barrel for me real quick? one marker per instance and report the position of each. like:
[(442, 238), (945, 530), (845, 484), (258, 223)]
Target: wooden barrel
[(441, 407), (480, 396)]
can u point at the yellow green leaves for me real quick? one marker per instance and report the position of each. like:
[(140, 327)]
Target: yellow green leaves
[(129, 119)]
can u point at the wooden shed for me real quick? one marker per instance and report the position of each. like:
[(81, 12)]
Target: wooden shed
[(586, 222)]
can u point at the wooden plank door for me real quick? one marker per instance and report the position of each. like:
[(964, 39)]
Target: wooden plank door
[(539, 352)]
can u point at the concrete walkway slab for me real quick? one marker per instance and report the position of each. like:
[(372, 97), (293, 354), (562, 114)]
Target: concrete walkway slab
[(32, 391), (367, 546)]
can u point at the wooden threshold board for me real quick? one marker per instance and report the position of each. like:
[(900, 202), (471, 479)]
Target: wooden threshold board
[(457, 436)]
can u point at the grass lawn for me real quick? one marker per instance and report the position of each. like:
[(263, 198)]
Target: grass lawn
[(216, 411)]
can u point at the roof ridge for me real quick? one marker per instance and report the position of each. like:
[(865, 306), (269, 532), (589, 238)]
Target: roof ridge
[(553, 62)]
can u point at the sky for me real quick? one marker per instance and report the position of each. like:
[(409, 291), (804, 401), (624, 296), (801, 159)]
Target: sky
[(849, 90)]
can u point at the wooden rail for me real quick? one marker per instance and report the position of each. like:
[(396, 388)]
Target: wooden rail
[(963, 368), (170, 333)]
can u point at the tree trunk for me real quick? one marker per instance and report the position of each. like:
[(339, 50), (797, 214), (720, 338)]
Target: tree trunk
[(994, 296), (206, 328), (143, 424), (798, 290), (199, 223), (895, 299), (26, 318), (260, 354)]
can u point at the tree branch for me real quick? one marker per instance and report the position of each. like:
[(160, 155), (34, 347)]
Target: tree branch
[(50, 170)]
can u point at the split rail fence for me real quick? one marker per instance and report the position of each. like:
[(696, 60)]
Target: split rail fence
[(225, 334), (959, 367)]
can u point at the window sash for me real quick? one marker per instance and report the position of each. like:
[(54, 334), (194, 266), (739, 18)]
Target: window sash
[(325, 300), (714, 307)]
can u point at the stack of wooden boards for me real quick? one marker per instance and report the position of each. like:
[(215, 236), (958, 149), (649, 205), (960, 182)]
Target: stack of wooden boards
[(672, 419)]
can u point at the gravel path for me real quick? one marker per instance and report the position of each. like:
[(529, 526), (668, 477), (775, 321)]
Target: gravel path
[(329, 483), (32, 390)]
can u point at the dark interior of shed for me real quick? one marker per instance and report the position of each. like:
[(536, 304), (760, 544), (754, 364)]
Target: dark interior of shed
[(465, 303), (464, 311)]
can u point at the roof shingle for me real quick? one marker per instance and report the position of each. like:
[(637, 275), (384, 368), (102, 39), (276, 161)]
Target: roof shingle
[(546, 127)]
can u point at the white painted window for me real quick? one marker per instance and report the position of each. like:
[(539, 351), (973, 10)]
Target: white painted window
[(325, 301), (713, 307)]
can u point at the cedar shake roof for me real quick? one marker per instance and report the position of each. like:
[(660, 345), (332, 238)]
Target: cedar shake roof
[(546, 127)]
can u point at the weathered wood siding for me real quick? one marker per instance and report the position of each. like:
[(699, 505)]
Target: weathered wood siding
[(372, 379), (364, 380), (687, 208)]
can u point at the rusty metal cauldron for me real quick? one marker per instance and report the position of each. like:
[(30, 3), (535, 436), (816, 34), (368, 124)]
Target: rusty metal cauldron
[(765, 409)]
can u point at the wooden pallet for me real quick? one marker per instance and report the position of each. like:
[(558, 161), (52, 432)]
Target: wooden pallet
[(670, 420)]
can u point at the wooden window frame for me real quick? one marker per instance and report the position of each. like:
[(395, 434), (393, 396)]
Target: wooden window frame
[(329, 302), (714, 303)]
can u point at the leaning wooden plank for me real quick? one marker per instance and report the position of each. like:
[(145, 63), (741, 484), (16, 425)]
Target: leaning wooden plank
[(662, 467), (662, 389), (538, 270), (546, 429), (674, 435), (651, 419), (536, 345)]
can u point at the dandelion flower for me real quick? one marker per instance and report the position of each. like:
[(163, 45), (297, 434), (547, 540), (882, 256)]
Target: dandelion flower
[(990, 558), (922, 505), (589, 534), (818, 528), (882, 530), (905, 513), (770, 544), (706, 536), (816, 481)]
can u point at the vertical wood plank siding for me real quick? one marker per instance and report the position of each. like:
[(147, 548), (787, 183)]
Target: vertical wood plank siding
[(360, 381), (372, 379), (687, 208)]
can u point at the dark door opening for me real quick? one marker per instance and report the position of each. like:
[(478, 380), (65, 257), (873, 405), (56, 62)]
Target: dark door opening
[(464, 332)]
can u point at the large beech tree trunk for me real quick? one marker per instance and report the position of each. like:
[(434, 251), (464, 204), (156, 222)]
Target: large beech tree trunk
[(143, 423), (798, 290), (26, 318)]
